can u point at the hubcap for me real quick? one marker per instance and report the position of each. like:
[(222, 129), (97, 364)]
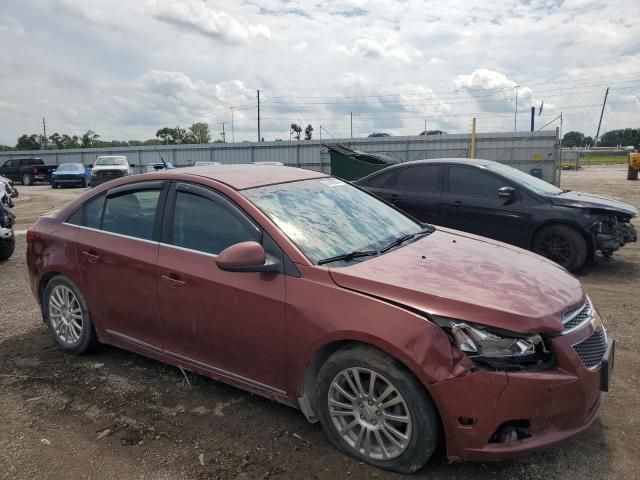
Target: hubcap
[(369, 413), (65, 314)]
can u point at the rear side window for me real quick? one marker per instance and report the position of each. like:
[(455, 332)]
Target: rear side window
[(206, 226), (93, 212), (131, 214), (474, 182), (424, 177), (381, 180)]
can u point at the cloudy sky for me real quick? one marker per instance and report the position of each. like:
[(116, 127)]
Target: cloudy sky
[(125, 68)]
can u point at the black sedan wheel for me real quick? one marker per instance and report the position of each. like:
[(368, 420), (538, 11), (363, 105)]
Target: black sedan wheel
[(562, 244)]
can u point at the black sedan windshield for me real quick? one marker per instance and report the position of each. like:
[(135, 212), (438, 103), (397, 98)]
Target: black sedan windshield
[(533, 183), (327, 217)]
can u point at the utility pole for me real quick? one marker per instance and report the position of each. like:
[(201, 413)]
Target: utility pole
[(259, 115), (515, 117), (233, 138), (351, 114), (178, 133), (473, 139), (320, 132), (224, 137), (44, 133), (606, 94)]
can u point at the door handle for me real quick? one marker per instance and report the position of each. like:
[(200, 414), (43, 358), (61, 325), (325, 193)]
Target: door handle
[(92, 256), (174, 280), (457, 203), (394, 197)]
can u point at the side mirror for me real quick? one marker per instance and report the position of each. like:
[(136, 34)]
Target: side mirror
[(90, 165), (506, 192), (132, 165), (245, 257)]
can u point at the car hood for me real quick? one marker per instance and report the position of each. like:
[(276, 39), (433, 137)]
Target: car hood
[(463, 276), (110, 167), (69, 172), (591, 201)]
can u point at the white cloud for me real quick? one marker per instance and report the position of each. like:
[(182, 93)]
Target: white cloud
[(125, 68), (203, 17)]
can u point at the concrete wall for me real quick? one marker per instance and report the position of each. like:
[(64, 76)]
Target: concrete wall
[(517, 149)]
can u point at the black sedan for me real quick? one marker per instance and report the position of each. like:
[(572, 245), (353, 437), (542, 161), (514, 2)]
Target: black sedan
[(497, 201)]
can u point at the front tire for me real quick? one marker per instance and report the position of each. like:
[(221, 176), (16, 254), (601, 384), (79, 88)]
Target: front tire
[(373, 409), (7, 247), (67, 316), (562, 244)]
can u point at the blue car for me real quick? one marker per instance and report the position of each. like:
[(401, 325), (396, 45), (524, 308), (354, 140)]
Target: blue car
[(73, 174)]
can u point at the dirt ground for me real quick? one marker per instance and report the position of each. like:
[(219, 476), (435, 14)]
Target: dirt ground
[(114, 414)]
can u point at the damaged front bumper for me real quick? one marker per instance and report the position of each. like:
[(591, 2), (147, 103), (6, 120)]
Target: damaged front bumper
[(512, 413), (615, 237)]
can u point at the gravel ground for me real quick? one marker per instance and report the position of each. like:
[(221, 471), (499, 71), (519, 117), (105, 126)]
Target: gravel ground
[(115, 414)]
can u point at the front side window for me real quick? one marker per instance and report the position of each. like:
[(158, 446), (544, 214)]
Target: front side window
[(206, 226), (327, 217), (131, 214), (425, 178), (473, 182)]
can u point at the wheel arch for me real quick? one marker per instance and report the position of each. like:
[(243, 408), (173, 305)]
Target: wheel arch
[(307, 400)]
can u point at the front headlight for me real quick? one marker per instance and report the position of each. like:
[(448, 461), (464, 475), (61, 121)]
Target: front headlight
[(497, 349)]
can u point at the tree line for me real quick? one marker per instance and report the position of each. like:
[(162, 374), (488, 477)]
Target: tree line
[(612, 138), (197, 133)]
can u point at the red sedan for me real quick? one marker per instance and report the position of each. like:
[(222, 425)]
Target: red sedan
[(294, 285)]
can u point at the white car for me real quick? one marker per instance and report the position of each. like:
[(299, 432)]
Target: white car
[(108, 167)]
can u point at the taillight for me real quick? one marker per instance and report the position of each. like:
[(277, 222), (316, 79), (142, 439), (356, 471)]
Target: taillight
[(31, 235), (34, 170)]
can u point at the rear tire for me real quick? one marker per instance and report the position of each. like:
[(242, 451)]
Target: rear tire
[(27, 179), (67, 316), (7, 247), (399, 437), (54, 185), (562, 244)]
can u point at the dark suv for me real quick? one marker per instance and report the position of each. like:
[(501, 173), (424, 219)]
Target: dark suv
[(500, 202)]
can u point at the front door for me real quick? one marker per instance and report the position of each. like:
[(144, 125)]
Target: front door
[(230, 323), (117, 250), (471, 204)]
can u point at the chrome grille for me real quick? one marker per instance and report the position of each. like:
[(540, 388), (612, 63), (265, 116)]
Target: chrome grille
[(578, 317), (109, 173), (592, 349)]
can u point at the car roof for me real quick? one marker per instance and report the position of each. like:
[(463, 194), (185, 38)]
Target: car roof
[(453, 161), (245, 176)]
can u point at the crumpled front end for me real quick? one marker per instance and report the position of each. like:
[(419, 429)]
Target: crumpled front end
[(491, 414), (612, 233)]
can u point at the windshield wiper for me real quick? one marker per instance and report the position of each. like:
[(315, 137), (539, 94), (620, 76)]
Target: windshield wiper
[(350, 256), (404, 238)]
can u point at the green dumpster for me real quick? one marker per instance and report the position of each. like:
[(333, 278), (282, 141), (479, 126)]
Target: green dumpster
[(352, 164)]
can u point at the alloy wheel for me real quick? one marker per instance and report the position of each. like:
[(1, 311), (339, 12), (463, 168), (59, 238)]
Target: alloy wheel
[(65, 314), (369, 413), (556, 248)]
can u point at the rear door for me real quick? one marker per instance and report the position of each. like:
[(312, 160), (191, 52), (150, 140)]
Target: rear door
[(230, 323), (471, 204), (417, 190), (117, 249)]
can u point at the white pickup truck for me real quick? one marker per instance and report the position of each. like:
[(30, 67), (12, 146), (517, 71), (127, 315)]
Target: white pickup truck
[(108, 167)]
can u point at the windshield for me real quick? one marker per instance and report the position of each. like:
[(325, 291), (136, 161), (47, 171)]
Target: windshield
[(111, 161), (68, 167), (533, 183), (327, 217)]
